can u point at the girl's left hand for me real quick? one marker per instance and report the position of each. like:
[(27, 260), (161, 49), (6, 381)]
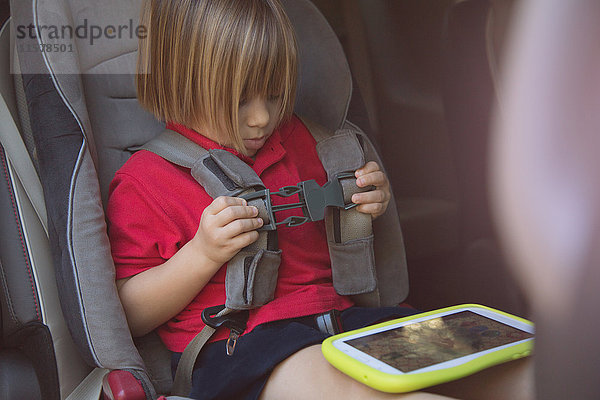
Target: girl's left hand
[(374, 202)]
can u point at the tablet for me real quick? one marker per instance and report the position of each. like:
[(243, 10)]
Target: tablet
[(431, 348)]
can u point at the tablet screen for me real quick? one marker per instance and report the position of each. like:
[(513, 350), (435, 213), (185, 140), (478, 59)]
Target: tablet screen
[(421, 344)]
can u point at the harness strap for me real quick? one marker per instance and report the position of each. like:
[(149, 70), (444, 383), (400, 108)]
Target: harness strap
[(175, 148), (182, 384), (252, 274), (349, 232), (388, 249), (392, 274)]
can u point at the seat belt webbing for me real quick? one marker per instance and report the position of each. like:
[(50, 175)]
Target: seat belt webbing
[(212, 169), (182, 384)]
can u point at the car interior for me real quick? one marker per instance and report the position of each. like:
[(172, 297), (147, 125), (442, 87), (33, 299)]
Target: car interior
[(423, 86)]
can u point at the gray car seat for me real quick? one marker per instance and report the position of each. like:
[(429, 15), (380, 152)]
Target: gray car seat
[(32, 327), (85, 120)]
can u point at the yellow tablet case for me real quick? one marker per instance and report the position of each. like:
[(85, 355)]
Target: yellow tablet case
[(414, 381)]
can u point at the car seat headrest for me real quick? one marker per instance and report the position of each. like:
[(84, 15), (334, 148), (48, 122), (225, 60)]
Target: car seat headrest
[(325, 84), (94, 72)]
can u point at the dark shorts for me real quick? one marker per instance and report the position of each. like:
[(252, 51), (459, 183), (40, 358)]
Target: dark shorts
[(244, 375)]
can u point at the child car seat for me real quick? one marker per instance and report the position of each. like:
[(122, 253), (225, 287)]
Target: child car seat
[(85, 121)]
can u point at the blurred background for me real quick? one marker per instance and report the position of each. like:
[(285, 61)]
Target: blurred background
[(425, 77)]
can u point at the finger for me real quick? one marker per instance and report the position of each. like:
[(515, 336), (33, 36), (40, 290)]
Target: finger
[(232, 213), (376, 178), (240, 226), (369, 167), (375, 196), (222, 202), (244, 239), (374, 209)]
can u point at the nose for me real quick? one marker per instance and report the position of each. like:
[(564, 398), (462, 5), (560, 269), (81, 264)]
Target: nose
[(257, 113)]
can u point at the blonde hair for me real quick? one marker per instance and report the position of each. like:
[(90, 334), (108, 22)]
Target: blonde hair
[(202, 58)]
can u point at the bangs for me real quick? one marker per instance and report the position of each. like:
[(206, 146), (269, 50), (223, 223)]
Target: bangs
[(268, 62)]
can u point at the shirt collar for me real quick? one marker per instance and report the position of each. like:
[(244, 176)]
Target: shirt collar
[(271, 152), (206, 142)]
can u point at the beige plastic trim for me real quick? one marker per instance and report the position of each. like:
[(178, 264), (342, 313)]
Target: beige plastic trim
[(71, 367), (14, 147), (91, 387), (19, 159)]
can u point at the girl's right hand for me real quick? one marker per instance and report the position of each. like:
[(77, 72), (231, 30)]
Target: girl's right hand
[(227, 225)]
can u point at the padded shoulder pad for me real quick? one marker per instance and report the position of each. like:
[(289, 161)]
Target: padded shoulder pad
[(341, 152), (222, 174), (237, 170), (390, 254)]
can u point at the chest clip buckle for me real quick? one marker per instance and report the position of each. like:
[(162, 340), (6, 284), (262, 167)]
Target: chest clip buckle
[(312, 199)]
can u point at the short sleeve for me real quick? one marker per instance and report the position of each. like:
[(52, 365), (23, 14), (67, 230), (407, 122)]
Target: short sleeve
[(141, 233)]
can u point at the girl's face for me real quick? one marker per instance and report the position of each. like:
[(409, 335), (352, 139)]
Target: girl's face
[(257, 119)]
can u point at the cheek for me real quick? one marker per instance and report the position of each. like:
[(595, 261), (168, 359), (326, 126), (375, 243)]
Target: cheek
[(274, 114), (242, 121), (242, 115)]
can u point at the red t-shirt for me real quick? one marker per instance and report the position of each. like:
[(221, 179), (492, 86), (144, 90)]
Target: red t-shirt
[(154, 208)]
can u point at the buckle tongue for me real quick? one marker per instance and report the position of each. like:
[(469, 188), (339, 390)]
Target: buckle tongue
[(235, 321), (231, 342)]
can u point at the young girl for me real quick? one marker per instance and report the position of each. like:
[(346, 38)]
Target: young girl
[(223, 74)]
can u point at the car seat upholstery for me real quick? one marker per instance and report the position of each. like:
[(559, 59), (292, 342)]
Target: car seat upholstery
[(85, 121), (32, 327)]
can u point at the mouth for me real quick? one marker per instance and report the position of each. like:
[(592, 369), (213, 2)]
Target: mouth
[(255, 144)]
